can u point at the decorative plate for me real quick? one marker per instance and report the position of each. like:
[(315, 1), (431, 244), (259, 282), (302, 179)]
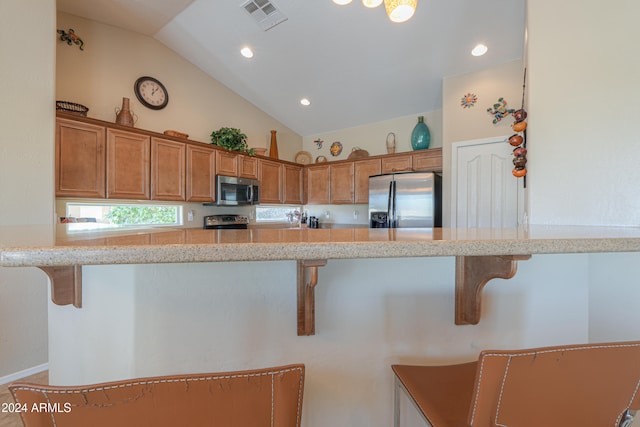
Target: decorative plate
[(321, 159), (303, 157)]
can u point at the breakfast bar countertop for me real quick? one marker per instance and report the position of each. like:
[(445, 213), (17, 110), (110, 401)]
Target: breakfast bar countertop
[(37, 246)]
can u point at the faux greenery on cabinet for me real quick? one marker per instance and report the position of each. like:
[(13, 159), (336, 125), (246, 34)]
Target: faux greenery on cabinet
[(231, 139)]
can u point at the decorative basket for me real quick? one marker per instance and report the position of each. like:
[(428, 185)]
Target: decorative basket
[(71, 107), (358, 153), (176, 134)]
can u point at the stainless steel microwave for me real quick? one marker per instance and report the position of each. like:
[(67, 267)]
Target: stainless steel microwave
[(233, 191)]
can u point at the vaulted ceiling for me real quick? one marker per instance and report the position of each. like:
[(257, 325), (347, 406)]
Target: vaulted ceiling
[(351, 62)]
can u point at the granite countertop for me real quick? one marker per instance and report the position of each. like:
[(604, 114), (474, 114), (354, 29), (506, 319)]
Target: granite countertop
[(37, 246)]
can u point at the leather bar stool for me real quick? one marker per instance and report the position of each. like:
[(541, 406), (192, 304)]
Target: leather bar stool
[(254, 398), (590, 385)]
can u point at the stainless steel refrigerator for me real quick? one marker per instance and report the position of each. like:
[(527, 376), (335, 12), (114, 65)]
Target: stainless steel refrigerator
[(405, 200)]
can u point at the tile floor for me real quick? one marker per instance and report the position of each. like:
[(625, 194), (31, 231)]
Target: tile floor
[(13, 420)]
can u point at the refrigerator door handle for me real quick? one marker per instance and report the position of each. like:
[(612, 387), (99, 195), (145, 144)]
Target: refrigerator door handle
[(394, 219), (390, 206)]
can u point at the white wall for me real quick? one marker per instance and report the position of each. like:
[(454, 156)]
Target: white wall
[(142, 320), (466, 124), (584, 145), (26, 171), (101, 75), (373, 136)]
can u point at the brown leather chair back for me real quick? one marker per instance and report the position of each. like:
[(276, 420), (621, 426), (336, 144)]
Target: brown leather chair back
[(256, 398), (580, 385)]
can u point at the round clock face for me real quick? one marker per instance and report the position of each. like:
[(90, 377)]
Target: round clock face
[(151, 93)]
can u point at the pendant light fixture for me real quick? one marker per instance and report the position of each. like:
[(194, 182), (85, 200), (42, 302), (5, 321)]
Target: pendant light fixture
[(371, 3), (397, 10), (400, 10)]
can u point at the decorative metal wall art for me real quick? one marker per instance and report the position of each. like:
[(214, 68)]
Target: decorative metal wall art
[(468, 100), (71, 38), (499, 110)]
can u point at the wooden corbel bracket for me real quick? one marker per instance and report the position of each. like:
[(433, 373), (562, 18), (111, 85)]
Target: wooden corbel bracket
[(307, 280), (66, 284), (472, 273)]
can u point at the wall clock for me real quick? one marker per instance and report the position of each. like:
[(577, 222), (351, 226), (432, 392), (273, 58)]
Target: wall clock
[(151, 93)]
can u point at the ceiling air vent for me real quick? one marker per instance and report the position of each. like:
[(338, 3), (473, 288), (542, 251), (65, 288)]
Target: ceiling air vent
[(264, 13)]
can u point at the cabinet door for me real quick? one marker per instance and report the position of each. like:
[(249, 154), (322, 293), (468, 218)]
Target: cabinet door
[(80, 159), (167, 169), (292, 184), (317, 184), (341, 183), (396, 164), (128, 168), (427, 160), (270, 176), (247, 167), (201, 174), (226, 163), (363, 169)]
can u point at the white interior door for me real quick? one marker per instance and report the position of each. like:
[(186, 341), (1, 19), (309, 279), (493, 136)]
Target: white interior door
[(484, 193)]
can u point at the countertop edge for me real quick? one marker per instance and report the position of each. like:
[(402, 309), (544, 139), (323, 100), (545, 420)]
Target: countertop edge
[(229, 252)]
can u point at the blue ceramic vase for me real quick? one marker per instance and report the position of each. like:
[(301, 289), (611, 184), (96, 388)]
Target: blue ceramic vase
[(420, 137)]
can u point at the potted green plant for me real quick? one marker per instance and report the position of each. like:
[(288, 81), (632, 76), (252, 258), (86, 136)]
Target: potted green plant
[(231, 139)]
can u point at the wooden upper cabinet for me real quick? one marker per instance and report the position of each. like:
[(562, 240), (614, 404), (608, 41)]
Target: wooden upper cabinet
[(292, 184), (363, 169), (317, 187), (341, 183), (226, 163), (270, 177), (167, 170), (128, 168), (401, 163), (427, 160), (201, 174), (80, 159), (247, 166)]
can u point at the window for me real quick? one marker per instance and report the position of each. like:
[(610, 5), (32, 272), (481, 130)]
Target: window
[(266, 214), (86, 216)]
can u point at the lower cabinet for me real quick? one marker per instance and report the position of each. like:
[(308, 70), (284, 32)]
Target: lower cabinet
[(270, 177), (128, 171), (167, 170), (200, 174)]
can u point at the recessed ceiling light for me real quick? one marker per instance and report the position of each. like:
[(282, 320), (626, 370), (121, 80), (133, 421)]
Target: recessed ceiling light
[(479, 50), (342, 2), (246, 52), (305, 102)]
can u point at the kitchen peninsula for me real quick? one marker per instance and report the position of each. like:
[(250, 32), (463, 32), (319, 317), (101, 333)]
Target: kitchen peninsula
[(481, 254)]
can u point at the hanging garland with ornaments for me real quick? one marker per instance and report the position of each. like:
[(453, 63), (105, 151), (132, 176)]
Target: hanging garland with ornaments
[(519, 139)]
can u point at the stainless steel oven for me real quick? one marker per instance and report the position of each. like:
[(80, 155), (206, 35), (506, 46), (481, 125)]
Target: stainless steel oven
[(222, 222), (233, 191)]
